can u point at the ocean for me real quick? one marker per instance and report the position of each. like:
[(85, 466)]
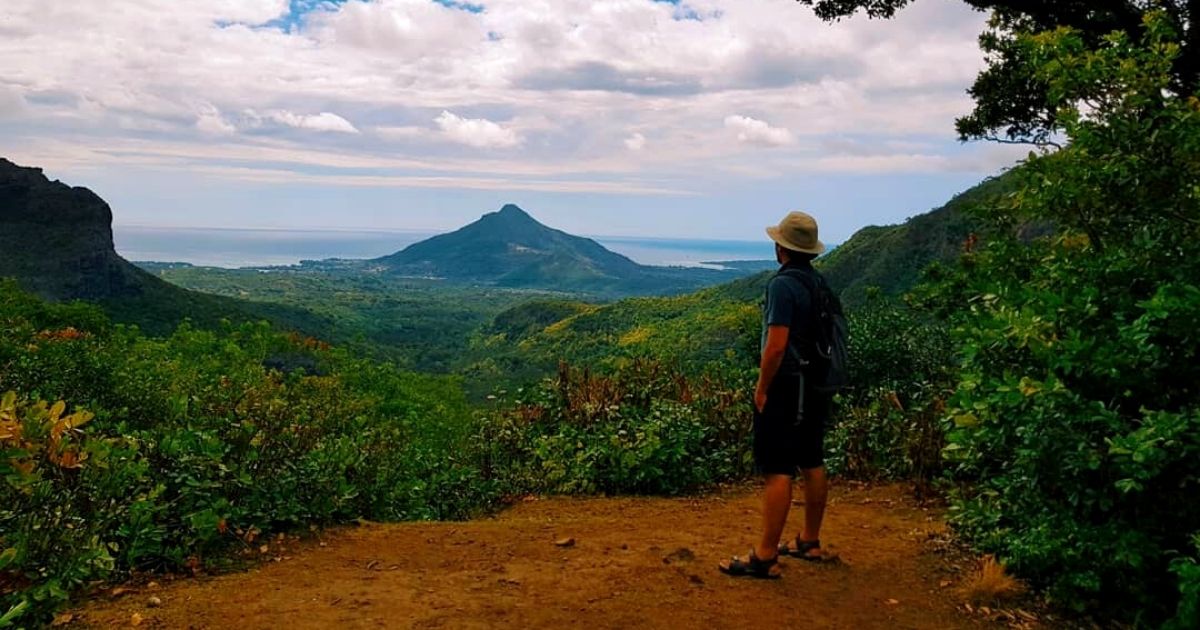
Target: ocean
[(252, 247)]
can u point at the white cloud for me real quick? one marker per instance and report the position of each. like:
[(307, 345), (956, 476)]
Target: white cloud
[(210, 121), (323, 121), (757, 132), (248, 11), (429, 85), (403, 29), (267, 175), (476, 132)]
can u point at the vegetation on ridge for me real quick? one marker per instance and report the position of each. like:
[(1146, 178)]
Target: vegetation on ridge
[(891, 258)]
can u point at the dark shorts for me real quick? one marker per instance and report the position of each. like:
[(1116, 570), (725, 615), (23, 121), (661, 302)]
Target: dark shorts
[(786, 440)]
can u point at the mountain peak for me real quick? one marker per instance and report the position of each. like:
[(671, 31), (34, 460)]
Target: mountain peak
[(513, 213)]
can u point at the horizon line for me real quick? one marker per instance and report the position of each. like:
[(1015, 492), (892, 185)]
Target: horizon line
[(430, 232)]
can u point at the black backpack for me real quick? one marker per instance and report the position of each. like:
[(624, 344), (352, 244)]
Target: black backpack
[(824, 356)]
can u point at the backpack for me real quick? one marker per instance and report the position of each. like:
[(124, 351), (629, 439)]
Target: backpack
[(825, 358)]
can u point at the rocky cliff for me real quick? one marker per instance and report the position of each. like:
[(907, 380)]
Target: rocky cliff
[(57, 241)]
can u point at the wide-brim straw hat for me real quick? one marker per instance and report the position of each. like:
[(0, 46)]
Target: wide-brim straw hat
[(797, 232)]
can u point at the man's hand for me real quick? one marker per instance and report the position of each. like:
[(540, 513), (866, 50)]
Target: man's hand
[(760, 398)]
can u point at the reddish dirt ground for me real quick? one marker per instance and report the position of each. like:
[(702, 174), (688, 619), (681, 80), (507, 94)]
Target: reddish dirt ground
[(636, 563)]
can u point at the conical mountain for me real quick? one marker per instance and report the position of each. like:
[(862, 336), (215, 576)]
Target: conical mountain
[(511, 248)]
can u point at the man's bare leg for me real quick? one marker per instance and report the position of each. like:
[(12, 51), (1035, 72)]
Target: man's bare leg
[(816, 492), (777, 500)]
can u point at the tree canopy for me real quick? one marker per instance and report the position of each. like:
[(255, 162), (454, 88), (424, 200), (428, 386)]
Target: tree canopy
[(1011, 103)]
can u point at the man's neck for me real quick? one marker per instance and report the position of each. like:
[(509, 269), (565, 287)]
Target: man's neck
[(795, 264)]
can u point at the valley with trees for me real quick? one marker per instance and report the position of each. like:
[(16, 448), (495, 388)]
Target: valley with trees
[(1024, 360)]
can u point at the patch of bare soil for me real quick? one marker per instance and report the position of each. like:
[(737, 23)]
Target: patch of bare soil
[(595, 563)]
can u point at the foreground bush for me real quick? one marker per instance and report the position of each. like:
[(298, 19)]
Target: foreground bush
[(644, 429), (119, 452), (887, 424), (1076, 423)]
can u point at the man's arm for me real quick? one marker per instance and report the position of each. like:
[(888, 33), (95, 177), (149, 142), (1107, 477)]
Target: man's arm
[(772, 358)]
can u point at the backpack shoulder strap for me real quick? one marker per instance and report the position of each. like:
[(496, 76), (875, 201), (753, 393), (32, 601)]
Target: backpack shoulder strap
[(807, 277), (824, 297), (810, 281)]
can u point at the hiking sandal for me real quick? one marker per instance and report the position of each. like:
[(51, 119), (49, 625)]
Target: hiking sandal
[(752, 567), (801, 550)]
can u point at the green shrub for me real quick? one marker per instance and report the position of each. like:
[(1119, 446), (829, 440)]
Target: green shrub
[(192, 445), (887, 425), (644, 429), (1075, 435), (713, 329), (1188, 571), (49, 547)]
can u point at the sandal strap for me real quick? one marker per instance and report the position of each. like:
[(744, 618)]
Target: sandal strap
[(751, 566), (800, 548), (755, 561), (804, 546)]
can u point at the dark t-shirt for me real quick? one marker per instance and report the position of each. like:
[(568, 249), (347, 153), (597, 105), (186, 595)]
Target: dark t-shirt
[(789, 303)]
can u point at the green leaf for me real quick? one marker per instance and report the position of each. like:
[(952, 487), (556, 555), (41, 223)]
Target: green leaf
[(966, 420), (7, 557)]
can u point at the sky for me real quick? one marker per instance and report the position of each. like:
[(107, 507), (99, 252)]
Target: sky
[(690, 119)]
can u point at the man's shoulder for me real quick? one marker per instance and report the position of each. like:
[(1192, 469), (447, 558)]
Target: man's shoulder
[(793, 278), (781, 282), (794, 284), (786, 285)]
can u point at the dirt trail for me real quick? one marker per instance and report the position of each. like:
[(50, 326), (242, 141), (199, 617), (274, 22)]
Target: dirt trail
[(637, 562)]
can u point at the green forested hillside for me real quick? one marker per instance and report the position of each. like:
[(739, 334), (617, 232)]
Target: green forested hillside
[(892, 257), (493, 331), (159, 307), (421, 324), (715, 326)]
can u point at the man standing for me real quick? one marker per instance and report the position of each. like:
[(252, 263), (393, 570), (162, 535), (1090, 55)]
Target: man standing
[(790, 415)]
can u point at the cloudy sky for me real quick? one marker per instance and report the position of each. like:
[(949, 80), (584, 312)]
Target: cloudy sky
[(696, 118)]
